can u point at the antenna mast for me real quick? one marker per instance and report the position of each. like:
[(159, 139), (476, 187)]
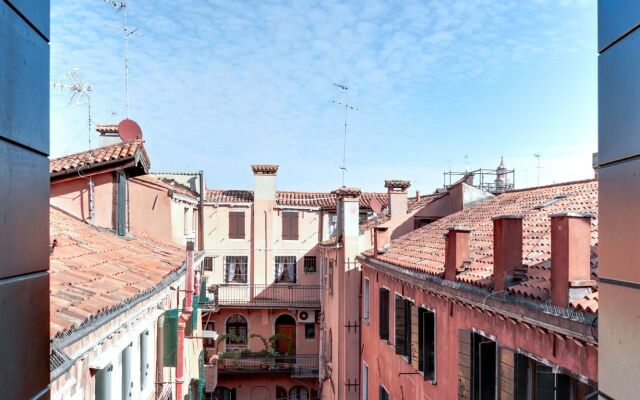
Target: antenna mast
[(347, 107), (80, 90), (121, 5)]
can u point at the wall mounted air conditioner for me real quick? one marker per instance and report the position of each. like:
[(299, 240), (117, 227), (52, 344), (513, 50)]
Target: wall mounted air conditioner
[(306, 316)]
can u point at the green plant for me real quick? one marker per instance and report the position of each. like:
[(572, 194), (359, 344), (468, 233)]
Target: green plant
[(274, 340), (231, 338), (264, 341)]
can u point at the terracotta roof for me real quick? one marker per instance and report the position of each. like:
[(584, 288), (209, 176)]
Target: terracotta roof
[(397, 184), (423, 249), (264, 169), (107, 128), (101, 155), (289, 198), (93, 271), (347, 192)]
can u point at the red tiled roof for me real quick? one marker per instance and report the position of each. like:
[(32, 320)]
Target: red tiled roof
[(107, 128), (423, 249), (287, 198), (95, 157), (93, 271)]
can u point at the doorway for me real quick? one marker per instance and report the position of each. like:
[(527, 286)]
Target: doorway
[(286, 329)]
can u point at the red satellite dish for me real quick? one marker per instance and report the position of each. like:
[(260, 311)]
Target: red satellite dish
[(129, 129), (376, 206)]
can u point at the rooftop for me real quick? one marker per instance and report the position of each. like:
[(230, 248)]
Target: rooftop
[(290, 198), (424, 249), (94, 272)]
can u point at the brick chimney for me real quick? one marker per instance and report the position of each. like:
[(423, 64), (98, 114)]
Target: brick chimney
[(507, 249), (264, 181), (397, 190), (456, 250), (570, 257), (380, 239)]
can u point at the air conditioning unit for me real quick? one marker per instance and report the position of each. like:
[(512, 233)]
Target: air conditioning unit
[(306, 316)]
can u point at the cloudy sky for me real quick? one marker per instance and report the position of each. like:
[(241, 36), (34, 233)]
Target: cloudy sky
[(219, 85)]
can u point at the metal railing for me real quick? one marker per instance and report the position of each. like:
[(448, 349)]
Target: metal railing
[(297, 366), (264, 295)]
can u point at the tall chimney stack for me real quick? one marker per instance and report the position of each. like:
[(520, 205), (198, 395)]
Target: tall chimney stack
[(570, 257), (380, 239), (507, 249), (397, 190), (456, 250), (264, 181)]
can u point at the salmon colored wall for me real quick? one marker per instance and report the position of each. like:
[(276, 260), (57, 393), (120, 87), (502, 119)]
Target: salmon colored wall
[(385, 366), (73, 197), (262, 387), (149, 209)]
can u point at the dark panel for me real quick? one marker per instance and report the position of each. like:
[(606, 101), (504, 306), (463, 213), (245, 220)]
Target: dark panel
[(37, 12), (619, 217), (24, 211), (25, 335), (24, 82), (618, 97), (615, 18)]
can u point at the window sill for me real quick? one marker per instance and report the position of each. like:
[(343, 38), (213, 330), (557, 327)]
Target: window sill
[(366, 321)]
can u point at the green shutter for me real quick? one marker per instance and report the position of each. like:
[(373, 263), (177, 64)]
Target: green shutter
[(170, 338), (203, 291), (194, 314)]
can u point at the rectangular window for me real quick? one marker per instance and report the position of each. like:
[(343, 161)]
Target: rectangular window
[(427, 343), (103, 383), (309, 263), (403, 326), (290, 225), (365, 382), (208, 264), (483, 368), (194, 221), (384, 395), (419, 222), (384, 314), (236, 224), (285, 269), (186, 221), (309, 331), (127, 382), (235, 269), (330, 277), (121, 211), (365, 299), (536, 381), (144, 363)]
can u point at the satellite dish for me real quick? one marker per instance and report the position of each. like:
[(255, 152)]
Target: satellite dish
[(129, 129)]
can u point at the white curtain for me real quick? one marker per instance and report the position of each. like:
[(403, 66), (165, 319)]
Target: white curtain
[(279, 271), (231, 269), (291, 266)]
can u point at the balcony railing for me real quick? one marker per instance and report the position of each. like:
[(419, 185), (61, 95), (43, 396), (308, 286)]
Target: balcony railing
[(297, 366), (264, 295)]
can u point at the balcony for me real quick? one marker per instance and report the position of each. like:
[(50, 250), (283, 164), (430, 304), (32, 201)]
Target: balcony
[(264, 296), (296, 366)]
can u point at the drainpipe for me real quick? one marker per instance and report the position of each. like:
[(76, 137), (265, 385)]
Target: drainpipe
[(92, 209), (201, 212), (184, 319), (160, 354)]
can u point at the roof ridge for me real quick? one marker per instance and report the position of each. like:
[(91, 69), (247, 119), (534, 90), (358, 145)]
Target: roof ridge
[(551, 185), (97, 148)]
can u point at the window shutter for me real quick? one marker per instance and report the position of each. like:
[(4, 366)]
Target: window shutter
[(233, 225), (401, 324), (507, 372), (384, 314), (294, 226), (415, 348), (240, 224), (286, 226), (464, 365), (170, 338)]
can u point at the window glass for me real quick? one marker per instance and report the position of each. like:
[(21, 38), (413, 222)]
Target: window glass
[(309, 331), (365, 297), (309, 263), (235, 269), (285, 268)]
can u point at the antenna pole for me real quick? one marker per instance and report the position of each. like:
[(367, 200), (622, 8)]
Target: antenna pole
[(126, 62), (345, 89), (89, 110)]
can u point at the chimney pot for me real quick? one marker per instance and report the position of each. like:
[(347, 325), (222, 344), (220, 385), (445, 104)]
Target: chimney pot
[(507, 248), (380, 240), (456, 250), (570, 256)]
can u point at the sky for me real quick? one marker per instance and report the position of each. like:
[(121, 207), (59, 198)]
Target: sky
[(221, 85)]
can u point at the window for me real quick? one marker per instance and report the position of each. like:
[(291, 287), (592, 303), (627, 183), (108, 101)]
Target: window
[(330, 276), (103, 383), (536, 381), (286, 269), (194, 221), (333, 224), (237, 331), (365, 299), (281, 393), (127, 381), (365, 382), (236, 224), (403, 326), (209, 326), (186, 221), (222, 393), (310, 331), (207, 264), (483, 368), (144, 363), (419, 222), (298, 393), (426, 344), (290, 225), (235, 269), (384, 314), (384, 395), (121, 212), (309, 263)]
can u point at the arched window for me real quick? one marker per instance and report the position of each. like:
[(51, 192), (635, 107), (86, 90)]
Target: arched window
[(298, 393), (281, 393), (237, 326), (315, 394), (222, 393)]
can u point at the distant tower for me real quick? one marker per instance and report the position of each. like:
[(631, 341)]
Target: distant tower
[(501, 175)]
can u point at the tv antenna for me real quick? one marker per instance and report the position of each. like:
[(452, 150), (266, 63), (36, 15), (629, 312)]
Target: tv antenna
[(537, 156), (81, 90), (122, 5), (347, 107)]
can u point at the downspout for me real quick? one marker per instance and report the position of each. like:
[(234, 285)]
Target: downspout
[(92, 205), (201, 213), (184, 319), (160, 355), (266, 246)]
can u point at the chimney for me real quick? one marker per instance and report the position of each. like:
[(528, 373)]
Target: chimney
[(417, 195), (507, 249), (380, 240), (348, 212), (397, 190), (264, 176), (456, 251), (108, 134), (570, 257)]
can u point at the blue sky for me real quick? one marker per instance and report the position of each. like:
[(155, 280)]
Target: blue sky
[(219, 85)]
